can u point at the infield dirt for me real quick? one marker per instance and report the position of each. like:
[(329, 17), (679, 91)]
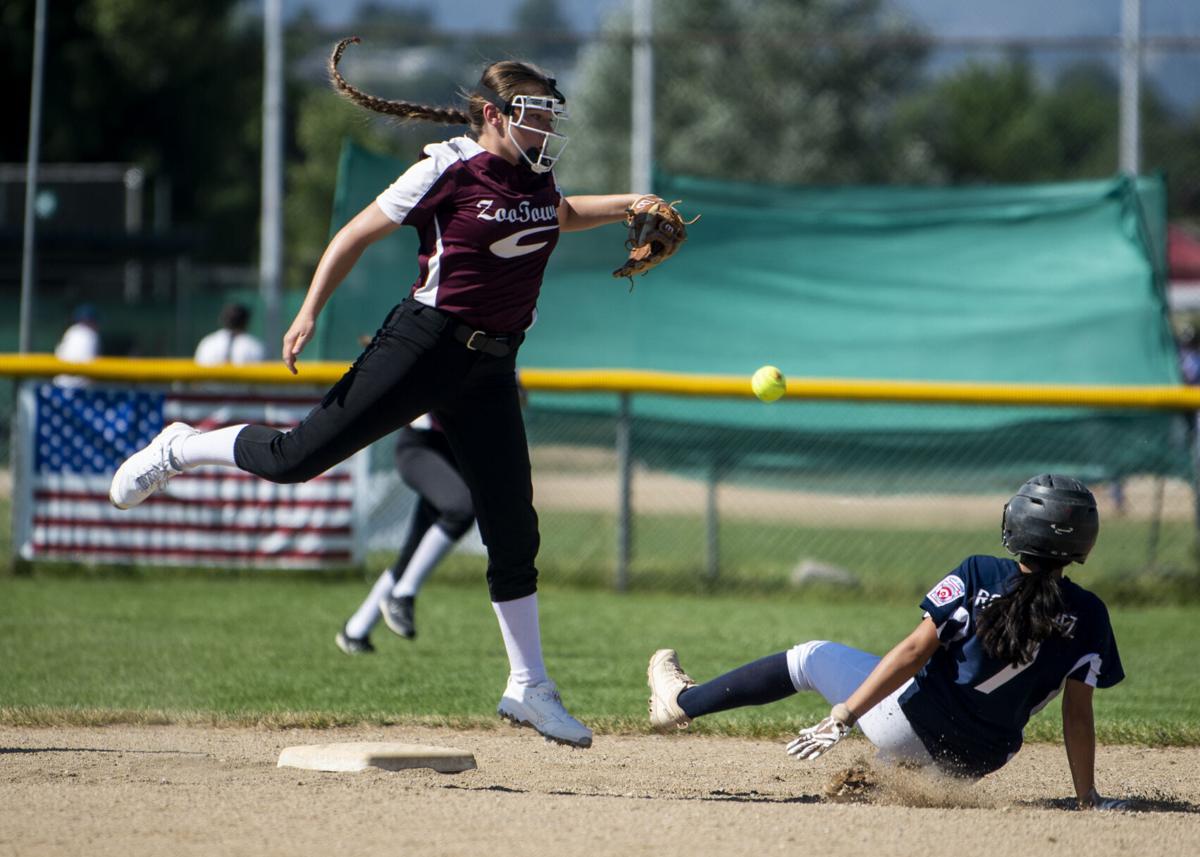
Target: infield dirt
[(184, 790)]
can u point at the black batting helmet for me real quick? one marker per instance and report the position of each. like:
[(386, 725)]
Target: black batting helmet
[(1053, 517)]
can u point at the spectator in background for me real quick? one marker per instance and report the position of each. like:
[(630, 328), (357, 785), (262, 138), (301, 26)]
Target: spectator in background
[(1189, 354), (231, 344), (1188, 344), (80, 343), (1187, 347)]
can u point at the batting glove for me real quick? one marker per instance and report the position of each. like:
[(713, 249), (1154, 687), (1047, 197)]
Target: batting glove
[(815, 740)]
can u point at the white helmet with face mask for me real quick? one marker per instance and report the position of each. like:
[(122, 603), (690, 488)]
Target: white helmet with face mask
[(540, 158)]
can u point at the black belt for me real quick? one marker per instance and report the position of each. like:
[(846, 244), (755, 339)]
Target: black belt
[(495, 346)]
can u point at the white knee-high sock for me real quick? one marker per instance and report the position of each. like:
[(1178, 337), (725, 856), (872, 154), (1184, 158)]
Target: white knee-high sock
[(434, 545), (522, 639), (208, 447), (367, 614)]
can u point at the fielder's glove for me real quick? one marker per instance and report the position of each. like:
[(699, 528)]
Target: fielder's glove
[(815, 740), (656, 231)]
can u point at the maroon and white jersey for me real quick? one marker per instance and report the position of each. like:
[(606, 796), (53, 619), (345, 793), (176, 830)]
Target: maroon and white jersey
[(487, 229)]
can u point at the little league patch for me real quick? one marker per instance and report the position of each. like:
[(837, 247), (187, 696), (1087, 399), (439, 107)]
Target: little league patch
[(950, 588)]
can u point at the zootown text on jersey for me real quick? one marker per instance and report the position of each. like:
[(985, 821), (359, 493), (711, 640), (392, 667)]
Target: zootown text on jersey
[(522, 213)]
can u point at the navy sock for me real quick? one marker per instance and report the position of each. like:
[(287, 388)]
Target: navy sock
[(765, 680)]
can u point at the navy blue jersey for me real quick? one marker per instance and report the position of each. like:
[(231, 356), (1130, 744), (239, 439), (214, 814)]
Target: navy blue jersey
[(969, 709)]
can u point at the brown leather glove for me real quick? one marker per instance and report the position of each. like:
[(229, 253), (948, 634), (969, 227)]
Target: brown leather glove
[(656, 231)]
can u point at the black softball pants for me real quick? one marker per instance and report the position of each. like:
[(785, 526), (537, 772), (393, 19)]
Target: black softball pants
[(427, 466), (414, 365)]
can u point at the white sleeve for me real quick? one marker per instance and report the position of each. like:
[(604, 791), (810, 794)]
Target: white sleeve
[(80, 344), (256, 352), (209, 352), (407, 199), (247, 349)]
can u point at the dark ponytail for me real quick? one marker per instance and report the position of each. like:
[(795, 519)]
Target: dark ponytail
[(399, 109), (1012, 626), (505, 79)]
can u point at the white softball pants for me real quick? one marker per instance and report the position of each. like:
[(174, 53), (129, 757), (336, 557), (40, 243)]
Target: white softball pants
[(835, 671)]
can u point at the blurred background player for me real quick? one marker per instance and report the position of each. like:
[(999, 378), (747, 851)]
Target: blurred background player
[(1188, 348), (80, 343), (442, 516), (999, 640), (488, 211), (231, 343)]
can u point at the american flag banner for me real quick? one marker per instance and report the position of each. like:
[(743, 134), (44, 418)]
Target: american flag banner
[(74, 438)]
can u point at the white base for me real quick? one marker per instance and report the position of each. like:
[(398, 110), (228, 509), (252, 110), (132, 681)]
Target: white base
[(386, 755)]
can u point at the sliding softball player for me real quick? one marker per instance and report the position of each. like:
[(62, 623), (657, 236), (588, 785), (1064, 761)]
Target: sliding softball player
[(1000, 639)]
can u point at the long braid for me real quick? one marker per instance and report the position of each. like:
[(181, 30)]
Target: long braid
[(404, 110), (1012, 626)]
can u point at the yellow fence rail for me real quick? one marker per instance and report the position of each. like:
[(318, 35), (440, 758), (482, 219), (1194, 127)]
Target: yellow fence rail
[(641, 381)]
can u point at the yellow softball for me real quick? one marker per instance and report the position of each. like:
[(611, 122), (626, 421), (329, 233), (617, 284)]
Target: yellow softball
[(768, 383)]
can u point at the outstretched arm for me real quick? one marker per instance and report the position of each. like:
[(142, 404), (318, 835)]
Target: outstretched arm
[(576, 213), (899, 665), (1079, 737), (367, 227)]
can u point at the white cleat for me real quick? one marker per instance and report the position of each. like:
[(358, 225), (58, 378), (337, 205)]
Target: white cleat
[(540, 707), (148, 469), (667, 680)]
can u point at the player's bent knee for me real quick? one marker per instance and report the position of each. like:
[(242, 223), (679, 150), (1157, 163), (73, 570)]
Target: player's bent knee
[(456, 525), (799, 657), (275, 456)]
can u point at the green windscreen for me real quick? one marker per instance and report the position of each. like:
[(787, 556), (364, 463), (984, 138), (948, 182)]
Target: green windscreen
[(1056, 283)]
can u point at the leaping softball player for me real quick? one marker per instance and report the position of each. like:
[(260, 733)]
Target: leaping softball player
[(488, 212), (1000, 639), (442, 516)]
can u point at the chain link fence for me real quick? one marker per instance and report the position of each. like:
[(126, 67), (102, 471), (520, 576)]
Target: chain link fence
[(628, 504), (637, 504), (773, 92)]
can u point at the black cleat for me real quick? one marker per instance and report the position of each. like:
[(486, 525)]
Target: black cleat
[(353, 645), (398, 614)]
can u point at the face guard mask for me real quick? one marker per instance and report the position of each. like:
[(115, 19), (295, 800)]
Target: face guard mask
[(541, 159)]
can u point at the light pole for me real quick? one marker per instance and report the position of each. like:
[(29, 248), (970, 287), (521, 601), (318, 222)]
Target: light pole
[(270, 260), (1131, 85), (32, 157), (641, 143)]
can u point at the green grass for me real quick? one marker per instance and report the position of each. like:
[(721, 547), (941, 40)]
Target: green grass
[(1132, 563), (260, 650)]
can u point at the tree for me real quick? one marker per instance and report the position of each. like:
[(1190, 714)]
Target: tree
[(1172, 144), (395, 26), (323, 122), (172, 86), (540, 15), (543, 33), (753, 90), (993, 123), (997, 123), (407, 65)]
